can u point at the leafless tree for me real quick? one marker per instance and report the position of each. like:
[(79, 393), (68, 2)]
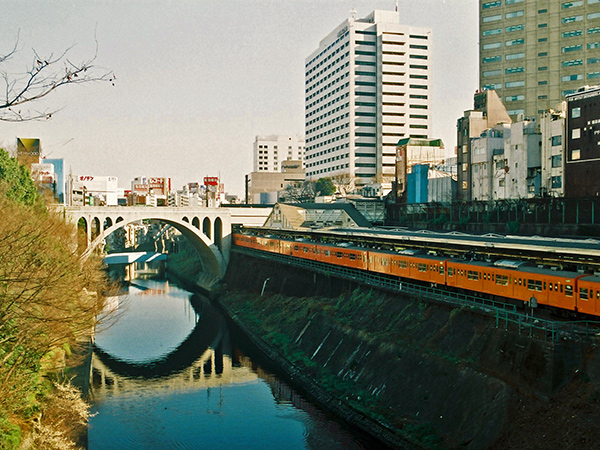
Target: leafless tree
[(21, 91)]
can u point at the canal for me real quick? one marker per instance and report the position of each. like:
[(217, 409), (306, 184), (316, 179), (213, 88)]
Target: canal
[(168, 373)]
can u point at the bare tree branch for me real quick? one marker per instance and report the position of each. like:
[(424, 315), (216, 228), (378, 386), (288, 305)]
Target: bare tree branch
[(44, 75)]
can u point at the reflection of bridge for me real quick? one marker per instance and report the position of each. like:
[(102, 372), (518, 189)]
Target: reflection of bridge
[(182, 368), (207, 229)]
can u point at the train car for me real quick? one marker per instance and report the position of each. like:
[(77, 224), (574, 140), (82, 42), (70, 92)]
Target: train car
[(548, 287), (588, 295), (430, 269), (244, 240), (347, 256), (267, 244), (299, 249), (475, 276)]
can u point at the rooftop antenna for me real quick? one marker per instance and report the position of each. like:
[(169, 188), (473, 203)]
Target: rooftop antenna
[(353, 14), (396, 5)]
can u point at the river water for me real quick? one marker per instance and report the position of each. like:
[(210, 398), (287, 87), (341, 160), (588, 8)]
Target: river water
[(167, 373)]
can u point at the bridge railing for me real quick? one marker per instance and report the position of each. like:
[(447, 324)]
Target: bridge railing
[(506, 314)]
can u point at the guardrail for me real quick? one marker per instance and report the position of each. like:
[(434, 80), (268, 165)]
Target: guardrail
[(505, 314)]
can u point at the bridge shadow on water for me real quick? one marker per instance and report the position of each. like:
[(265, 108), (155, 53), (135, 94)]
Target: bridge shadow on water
[(209, 331)]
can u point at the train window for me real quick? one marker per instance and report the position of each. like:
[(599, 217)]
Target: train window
[(520, 281), (583, 293), (534, 285), (305, 250), (472, 275), (569, 291), (597, 295), (561, 288), (422, 267), (327, 253), (441, 270), (352, 257), (502, 280), (551, 286), (339, 254), (295, 247)]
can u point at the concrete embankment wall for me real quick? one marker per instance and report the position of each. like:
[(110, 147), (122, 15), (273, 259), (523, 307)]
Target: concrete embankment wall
[(441, 377)]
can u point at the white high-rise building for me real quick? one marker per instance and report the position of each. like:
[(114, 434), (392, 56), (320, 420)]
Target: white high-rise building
[(367, 86), (270, 151)]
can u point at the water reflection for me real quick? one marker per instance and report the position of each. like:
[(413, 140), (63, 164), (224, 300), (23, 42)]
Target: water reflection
[(191, 387)]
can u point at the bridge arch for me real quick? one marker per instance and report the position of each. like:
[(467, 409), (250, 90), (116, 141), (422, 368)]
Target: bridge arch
[(196, 222), (206, 227), (213, 254)]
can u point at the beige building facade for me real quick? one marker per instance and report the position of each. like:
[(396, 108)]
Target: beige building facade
[(534, 52)]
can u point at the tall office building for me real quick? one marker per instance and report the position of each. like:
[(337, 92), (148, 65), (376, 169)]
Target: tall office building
[(534, 52), (367, 86), (270, 151)]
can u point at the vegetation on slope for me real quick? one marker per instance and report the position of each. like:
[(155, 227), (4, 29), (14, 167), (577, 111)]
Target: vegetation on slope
[(48, 302)]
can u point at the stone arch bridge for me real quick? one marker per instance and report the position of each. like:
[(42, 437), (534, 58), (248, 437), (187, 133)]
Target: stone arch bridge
[(207, 229)]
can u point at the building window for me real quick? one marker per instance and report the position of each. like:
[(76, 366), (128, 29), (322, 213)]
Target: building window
[(510, 70), (514, 84), (567, 92), (572, 19), (543, 54), (494, 4), (492, 73), (492, 18), (572, 48), (592, 45), (557, 161), (513, 56), (542, 25), (595, 15), (540, 69), (515, 98), (593, 30), (557, 182), (492, 45), (491, 32), (575, 155), (492, 86), (515, 112), (512, 2), (575, 133), (542, 83), (567, 5), (512, 28), (556, 140), (490, 59), (573, 33), (514, 42), (576, 112), (513, 14), (593, 75), (572, 62), (572, 77)]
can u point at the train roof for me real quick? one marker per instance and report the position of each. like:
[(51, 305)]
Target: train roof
[(584, 248)]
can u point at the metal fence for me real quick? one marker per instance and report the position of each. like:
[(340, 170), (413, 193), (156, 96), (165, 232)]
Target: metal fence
[(538, 211), (506, 314)]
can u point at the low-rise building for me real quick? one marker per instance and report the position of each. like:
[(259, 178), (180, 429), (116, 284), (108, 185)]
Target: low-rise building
[(582, 130)]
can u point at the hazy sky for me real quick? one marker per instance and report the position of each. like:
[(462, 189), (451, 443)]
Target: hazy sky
[(198, 80)]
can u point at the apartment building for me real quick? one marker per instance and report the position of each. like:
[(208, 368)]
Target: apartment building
[(535, 52), (270, 151), (367, 86)]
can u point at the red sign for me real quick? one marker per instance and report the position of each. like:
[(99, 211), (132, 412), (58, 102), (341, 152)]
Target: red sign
[(211, 181)]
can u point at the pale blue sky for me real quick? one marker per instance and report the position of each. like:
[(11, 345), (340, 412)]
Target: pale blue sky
[(198, 80)]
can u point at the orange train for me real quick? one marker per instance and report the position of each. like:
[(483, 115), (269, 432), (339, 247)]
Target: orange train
[(570, 291)]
